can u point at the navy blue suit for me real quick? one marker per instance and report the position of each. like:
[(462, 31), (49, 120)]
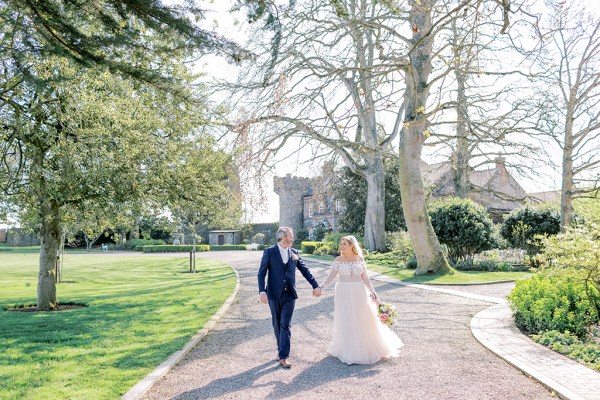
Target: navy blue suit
[(281, 302)]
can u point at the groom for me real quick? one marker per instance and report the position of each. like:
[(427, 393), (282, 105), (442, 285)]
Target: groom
[(278, 265)]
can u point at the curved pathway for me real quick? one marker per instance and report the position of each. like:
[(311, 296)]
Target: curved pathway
[(440, 360)]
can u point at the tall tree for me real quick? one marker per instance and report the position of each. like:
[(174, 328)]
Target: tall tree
[(571, 68), (486, 114), (321, 79), (352, 190), (106, 33), (208, 195), (86, 139)]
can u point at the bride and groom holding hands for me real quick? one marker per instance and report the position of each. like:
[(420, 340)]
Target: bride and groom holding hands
[(358, 337)]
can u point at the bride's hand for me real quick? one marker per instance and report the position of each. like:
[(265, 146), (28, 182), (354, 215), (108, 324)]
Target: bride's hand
[(375, 299)]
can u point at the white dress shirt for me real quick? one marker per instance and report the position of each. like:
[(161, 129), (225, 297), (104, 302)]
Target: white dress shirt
[(285, 253)]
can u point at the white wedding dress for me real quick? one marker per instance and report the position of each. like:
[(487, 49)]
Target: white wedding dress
[(358, 335)]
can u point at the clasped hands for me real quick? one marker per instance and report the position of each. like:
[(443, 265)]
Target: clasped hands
[(317, 292)]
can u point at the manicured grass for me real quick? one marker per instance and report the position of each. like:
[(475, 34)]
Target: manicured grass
[(458, 277), (140, 310), (20, 249)]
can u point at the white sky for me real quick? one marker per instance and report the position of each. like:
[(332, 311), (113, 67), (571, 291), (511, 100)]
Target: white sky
[(233, 27)]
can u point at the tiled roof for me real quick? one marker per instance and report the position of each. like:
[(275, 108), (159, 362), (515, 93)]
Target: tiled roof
[(552, 196)]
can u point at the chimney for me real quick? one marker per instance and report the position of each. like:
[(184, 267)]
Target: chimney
[(500, 162)]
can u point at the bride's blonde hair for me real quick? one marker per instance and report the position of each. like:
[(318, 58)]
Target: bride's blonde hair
[(355, 245)]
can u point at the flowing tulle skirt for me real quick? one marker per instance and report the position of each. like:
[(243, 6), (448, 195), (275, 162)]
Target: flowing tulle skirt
[(358, 335)]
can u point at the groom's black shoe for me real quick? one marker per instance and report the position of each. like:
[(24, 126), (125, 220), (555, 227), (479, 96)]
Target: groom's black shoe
[(285, 364)]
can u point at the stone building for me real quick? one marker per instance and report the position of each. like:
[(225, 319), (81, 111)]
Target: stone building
[(222, 237), (305, 202), (494, 188)]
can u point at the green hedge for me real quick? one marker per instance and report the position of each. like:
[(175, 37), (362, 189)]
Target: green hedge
[(174, 248), (229, 247), (559, 301)]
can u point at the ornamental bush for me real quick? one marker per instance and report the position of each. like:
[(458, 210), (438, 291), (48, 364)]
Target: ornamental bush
[(322, 250), (259, 238), (310, 247), (385, 259), (463, 226), (400, 244), (228, 247), (175, 248), (576, 249), (523, 224), (554, 301)]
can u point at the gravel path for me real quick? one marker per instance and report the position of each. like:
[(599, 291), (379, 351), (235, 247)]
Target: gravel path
[(440, 359)]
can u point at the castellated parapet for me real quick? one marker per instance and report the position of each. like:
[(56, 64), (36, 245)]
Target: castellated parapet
[(291, 191)]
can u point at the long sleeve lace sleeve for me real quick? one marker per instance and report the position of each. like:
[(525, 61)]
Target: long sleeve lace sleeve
[(330, 277), (365, 278)]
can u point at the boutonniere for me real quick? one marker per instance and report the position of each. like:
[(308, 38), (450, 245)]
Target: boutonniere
[(295, 257)]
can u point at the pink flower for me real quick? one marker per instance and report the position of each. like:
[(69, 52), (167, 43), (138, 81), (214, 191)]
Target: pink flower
[(384, 317)]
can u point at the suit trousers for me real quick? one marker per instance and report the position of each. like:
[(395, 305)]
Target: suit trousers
[(281, 316)]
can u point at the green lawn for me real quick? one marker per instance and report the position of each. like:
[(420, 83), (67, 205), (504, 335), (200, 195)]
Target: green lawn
[(141, 310), (458, 277), (20, 250)]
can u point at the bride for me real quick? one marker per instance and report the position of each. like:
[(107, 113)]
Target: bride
[(358, 335)]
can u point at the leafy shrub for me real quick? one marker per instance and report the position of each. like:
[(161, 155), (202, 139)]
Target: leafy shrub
[(484, 265), (412, 263), (576, 249), (228, 247), (336, 237), (300, 236), (259, 238), (554, 301), (321, 229), (522, 225), (166, 248), (137, 244), (322, 250), (400, 244), (310, 247), (385, 259), (261, 247), (511, 256), (463, 226), (571, 346)]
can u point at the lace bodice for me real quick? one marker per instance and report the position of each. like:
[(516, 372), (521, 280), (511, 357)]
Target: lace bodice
[(349, 272)]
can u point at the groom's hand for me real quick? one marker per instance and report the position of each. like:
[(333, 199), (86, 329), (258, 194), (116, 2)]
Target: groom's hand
[(317, 292), (263, 298)]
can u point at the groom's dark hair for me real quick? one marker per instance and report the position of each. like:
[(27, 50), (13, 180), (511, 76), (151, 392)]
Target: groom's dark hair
[(282, 231)]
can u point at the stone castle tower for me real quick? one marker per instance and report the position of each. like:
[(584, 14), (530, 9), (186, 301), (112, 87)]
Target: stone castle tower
[(291, 191)]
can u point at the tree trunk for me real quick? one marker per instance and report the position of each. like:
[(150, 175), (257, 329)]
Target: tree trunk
[(135, 230), (50, 232), (375, 211), (566, 198), (461, 172), (430, 257)]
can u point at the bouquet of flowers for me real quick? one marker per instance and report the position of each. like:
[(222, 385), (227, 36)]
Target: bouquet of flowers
[(387, 314)]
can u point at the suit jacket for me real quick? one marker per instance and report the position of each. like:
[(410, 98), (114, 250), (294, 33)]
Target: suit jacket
[(276, 273)]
